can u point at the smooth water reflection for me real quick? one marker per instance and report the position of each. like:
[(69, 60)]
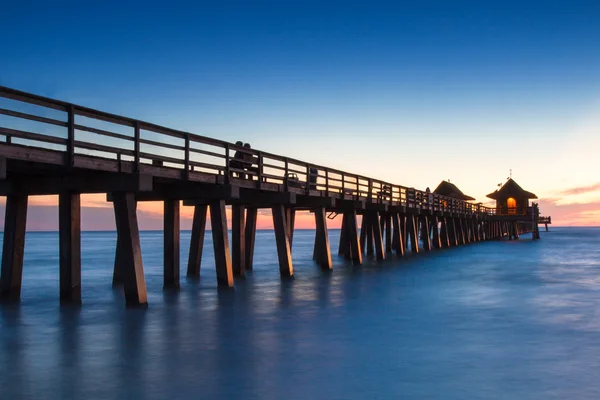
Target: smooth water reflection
[(500, 320)]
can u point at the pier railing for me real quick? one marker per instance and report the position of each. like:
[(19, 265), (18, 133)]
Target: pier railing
[(32, 121)]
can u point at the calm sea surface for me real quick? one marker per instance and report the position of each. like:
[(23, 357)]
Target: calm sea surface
[(499, 320)]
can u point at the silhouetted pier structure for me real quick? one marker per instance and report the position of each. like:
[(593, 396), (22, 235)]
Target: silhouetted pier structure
[(58, 148)]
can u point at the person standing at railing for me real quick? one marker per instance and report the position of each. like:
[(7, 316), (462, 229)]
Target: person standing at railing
[(238, 162), (249, 161)]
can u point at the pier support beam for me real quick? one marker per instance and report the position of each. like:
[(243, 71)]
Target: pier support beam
[(171, 229), (425, 234), (322, 250), (290, 220), (238, 239), (132, 268), (388, 232), (363, 232), (352, 235), (413, 232), (197, 240), (218, 221), (437, 242), (13, 247), (69, 222), (398, 238), (282, 239), (377, 234), (120, 257), (344, 249), (250, 236)]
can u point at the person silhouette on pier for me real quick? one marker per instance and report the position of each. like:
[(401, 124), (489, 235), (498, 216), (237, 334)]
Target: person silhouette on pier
[(249, 161), (238, 162)]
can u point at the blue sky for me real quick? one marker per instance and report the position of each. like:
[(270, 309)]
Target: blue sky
[(413, 92)]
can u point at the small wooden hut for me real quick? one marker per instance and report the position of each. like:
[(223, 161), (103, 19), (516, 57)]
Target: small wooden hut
[(448, 189), (512, 198)]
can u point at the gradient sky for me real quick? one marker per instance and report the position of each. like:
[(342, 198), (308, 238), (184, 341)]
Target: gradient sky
[(410, 92)]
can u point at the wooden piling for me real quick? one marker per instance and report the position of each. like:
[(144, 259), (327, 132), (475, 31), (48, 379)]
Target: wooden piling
[(282, 240), (353, 241), (363, 231), (250, 235), (343, 249), (132, 271), (171, 238), (437, 242), (69, 223), (238, 240), (197, 240), (398, 240), (388, 233), (290, 219), (376, 226), (413, 231), (322, 249), (425, 233), (370, 234), (13, 247), (218, 221)]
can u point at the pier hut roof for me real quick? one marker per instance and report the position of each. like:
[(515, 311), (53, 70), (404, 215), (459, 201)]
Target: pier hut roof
[(511, 189), (446, 188)]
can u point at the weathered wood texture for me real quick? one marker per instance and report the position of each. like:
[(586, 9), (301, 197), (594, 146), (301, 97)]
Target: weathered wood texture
[(171, 239), (282, 240), (69, 220), (238, 239), (13, 247), (197, 240), (218, 220), (132, 271)]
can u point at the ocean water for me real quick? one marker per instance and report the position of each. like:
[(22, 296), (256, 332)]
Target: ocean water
[(497, 320)]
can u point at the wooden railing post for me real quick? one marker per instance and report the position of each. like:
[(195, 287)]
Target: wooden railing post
[(227, 171), (327, 182), (71, 136), (370, 190), (285, 177), (186, 175), (260, 168), (136, 145)]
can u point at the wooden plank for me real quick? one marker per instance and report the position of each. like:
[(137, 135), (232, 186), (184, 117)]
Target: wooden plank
[(220, 235), (238, 239), (38, 137), (69, 220), (197, 240), (32, 117), (132, 273), (250, 234), (323, 250), (171, 238), (13, 247), (376, 224), (282, 240)]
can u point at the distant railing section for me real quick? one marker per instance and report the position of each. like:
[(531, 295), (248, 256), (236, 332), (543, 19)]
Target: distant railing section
[(74, 130)]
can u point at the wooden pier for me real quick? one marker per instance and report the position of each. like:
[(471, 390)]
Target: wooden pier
[(63, 149)]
